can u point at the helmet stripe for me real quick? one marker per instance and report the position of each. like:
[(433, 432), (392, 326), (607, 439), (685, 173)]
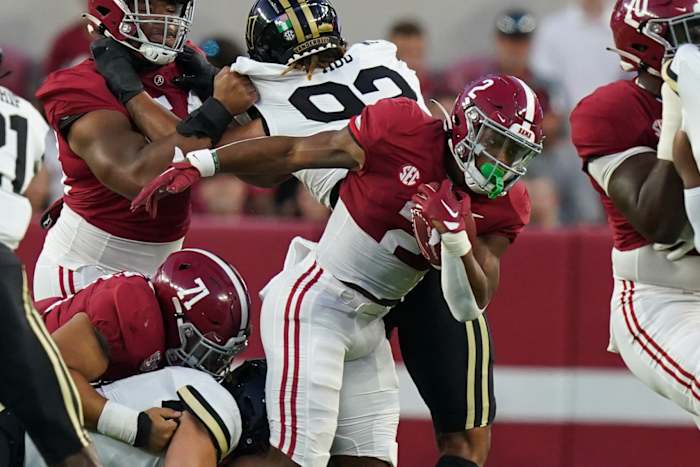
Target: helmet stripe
[(530, 98), (236, 280), (292, 15), (309, 18)]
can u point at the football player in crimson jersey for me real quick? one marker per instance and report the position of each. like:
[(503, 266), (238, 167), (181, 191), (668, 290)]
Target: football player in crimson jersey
[(321, 314), (366, 72), (194, 312), (105, 161), (625, 140)]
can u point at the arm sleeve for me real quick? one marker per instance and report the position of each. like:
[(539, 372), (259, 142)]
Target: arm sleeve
[(602, 168), (457, 290), (216, 409), (320, 183), (686, 67)]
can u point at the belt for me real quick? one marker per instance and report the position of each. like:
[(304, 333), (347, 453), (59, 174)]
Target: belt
[(367, 295)]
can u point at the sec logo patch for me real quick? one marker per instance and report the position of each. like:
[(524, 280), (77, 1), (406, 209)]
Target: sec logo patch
[(409, 175)]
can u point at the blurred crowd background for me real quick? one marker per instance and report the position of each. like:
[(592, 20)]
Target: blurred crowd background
[(559, 48)]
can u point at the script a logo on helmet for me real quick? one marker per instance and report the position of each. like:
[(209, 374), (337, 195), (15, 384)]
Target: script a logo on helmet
[(639, 8), (200, 292)]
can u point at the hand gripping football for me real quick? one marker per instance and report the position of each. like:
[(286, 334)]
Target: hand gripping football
[(427, 236)]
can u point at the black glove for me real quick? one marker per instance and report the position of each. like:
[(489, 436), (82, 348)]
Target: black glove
[(197, 73), (119, 67)]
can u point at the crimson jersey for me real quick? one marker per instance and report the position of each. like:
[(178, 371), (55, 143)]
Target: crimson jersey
[(78, 90), (124, 310), (404, 148), (615, 118)]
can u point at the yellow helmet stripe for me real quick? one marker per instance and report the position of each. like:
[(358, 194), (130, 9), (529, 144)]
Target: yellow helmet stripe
[(309, 18), (292, 15)]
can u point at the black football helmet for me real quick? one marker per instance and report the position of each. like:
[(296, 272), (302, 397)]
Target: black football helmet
[(285, 31)]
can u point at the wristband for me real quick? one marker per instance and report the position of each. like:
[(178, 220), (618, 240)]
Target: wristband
[(210, 120), (143, 431), (456, 244), (119, 422), (204, 160)]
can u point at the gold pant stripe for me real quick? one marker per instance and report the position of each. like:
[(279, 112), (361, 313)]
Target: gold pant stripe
[(209, 422), (292, 15), (471, 374), (486, 350), (69, 392), (309, 18)]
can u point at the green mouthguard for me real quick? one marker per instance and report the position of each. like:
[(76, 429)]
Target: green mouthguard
[(494, 175)]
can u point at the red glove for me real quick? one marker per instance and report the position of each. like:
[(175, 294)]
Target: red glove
[(439, 205), (450, 215), (178, 178)]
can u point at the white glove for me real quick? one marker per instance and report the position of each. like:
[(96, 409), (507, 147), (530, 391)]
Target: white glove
[(672, 118), (682, 247)]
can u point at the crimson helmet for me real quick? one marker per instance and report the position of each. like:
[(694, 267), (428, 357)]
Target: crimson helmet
[(496, 115), (205, 307), (123, 21), (647, 31)]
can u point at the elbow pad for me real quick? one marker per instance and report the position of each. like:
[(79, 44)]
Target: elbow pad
[(457, 290)]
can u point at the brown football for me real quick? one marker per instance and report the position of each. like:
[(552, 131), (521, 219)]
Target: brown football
[(427, 237)]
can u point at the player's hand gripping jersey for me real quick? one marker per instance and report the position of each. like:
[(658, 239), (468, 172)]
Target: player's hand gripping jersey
[(291, 104)]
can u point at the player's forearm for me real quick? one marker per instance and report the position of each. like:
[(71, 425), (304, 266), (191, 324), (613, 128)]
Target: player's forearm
[(151, 118), (457, 289), (478, 280), (652, 217), (92, 401), (190, 446), (281, 155), (154, 158)]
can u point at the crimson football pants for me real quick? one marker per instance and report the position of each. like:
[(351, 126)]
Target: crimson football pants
[(34, 382)]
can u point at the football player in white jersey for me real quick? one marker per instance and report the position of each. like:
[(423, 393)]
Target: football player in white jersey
[(32, 368), (682, 113), (220, 421), (333, 86)]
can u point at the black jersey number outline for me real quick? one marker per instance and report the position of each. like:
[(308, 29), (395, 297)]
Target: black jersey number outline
[(352, 105), (19, 125)]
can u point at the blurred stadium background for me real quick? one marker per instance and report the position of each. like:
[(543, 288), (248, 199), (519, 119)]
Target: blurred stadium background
[(563, 401)]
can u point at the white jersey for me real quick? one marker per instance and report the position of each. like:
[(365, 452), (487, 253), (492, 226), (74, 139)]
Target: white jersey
[(291, 104), (23, 135), (193, 390)]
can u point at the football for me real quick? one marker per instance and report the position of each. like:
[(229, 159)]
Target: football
[(427, 236)]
